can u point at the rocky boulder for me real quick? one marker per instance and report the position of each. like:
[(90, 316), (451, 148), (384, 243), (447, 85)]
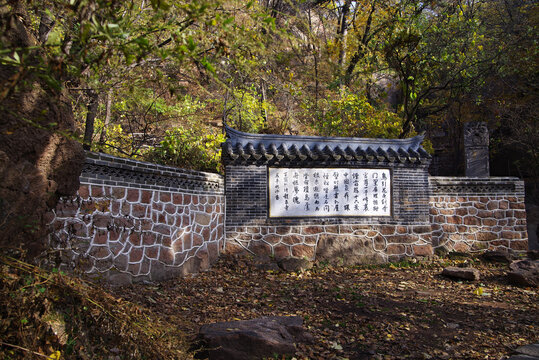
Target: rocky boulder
[(526, 352), (462, 273), (39, 162), (498, 256), (252, 339), (296, 265), (524, 273)]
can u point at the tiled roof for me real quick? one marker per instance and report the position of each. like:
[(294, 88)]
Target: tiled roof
[(260, 149)]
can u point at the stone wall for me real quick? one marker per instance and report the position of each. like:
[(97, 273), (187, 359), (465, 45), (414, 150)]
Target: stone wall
[(136, 221), (133, 221), (455, 214), (475, 214), (335, 239)]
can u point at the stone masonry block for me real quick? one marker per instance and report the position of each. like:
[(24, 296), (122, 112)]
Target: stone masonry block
[(133, 269), (135, 255), (96, 191), (395, 249), (118, 193), (165, 197), (151, 252), (133, 195), (135, 239), (281, 251), (292, 239), (146, 196), (84, 192), (202, 218), (422, 250), (166, 256), (139, 210), (303, 251)]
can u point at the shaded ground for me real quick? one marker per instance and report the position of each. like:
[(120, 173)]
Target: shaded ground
[(392, 312), (357, 312)]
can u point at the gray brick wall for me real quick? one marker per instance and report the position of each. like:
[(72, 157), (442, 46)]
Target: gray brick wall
[(246, 198), (246, 193)]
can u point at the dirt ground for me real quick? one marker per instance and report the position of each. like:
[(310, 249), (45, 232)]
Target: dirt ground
[(391, 312)]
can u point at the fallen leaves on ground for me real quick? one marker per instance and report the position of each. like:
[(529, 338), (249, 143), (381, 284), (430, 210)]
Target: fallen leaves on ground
[(387, 312), (395, 311), (51, 315)]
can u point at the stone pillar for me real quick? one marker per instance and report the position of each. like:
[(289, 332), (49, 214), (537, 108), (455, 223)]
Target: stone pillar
[(476, 149)]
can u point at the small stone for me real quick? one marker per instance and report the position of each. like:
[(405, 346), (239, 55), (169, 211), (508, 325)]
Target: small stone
[(461, 273), (295, 264), (524, 273), (531, 350)]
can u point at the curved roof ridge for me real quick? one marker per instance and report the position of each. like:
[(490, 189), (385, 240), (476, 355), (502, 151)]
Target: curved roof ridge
[(246, 148), (244, 138)]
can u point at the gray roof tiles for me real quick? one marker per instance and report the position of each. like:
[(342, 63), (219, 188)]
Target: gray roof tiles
[(246, 148)]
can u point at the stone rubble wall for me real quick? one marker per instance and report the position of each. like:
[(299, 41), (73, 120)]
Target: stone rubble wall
[(133, 221), (477, 214), (345, 244)]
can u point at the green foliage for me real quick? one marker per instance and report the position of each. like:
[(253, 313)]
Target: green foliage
[(247, 112), (190, 148), (352, 115), (281, 66), (118, 143)]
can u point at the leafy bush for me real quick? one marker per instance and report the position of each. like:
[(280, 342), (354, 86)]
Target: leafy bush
[(247, 113), (189, 148), (352, 115), (118, 142)]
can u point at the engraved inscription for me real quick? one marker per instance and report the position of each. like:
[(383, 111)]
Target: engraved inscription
[(329, 192)]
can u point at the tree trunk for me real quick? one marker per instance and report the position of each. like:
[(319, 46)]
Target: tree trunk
[(106, 122), (342, 31), (263, 101), (38, 163), (90, 118)]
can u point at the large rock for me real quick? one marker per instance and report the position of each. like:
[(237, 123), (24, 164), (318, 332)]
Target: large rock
[(461, 273), (526, 352), (531, 350), (524, 273), (348, 250), (38, 160), (498, 256), (252, 339), (295, 264)]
